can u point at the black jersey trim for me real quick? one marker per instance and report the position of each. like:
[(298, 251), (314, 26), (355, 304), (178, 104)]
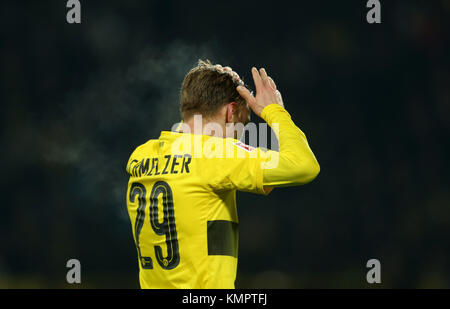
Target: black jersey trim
[(223, 238)]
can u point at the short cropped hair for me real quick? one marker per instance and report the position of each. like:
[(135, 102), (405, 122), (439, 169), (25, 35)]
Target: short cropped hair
[(206, 88)]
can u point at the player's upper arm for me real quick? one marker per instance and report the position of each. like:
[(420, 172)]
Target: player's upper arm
[(290, 169), (295, 163), (240, 169)]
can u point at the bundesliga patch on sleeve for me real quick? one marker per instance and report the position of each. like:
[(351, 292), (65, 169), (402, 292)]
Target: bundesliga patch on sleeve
[(244, 146)]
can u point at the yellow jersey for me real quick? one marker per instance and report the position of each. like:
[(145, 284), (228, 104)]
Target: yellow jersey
[(181, 200)]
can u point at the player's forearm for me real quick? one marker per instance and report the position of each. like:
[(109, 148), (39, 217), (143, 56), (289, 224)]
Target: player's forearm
[(296, 162)]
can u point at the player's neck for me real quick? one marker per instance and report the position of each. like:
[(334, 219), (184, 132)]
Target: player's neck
[(205, 126)]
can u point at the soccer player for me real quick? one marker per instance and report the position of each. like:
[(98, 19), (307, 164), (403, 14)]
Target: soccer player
[(181, 195)]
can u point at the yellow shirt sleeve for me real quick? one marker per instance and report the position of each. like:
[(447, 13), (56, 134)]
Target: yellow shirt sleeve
[(254, 170), (294, 163), (240, 168)]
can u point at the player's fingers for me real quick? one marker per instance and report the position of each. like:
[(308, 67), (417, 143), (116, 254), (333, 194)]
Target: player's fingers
[(230, 71), (264, 76), (235, 75), (245, 93), (257, 79), (219, 67), (272, 83)]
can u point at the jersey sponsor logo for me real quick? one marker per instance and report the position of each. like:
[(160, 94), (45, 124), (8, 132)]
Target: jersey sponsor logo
[(244, 146)]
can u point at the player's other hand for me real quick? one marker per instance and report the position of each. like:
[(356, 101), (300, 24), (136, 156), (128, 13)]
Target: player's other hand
[(266, 92)]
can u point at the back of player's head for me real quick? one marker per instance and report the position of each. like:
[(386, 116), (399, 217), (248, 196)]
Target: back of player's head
[(206, 88)]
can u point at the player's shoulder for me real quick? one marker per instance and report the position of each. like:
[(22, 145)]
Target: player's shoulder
[(143, 148), (241, 145), (242, 148)]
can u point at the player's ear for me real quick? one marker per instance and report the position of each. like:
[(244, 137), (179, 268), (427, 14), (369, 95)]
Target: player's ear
[(231, 111)]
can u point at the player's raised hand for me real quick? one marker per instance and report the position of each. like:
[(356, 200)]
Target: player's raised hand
[(266, 92)]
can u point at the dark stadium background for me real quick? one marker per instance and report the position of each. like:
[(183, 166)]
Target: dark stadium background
[(374, 101)]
